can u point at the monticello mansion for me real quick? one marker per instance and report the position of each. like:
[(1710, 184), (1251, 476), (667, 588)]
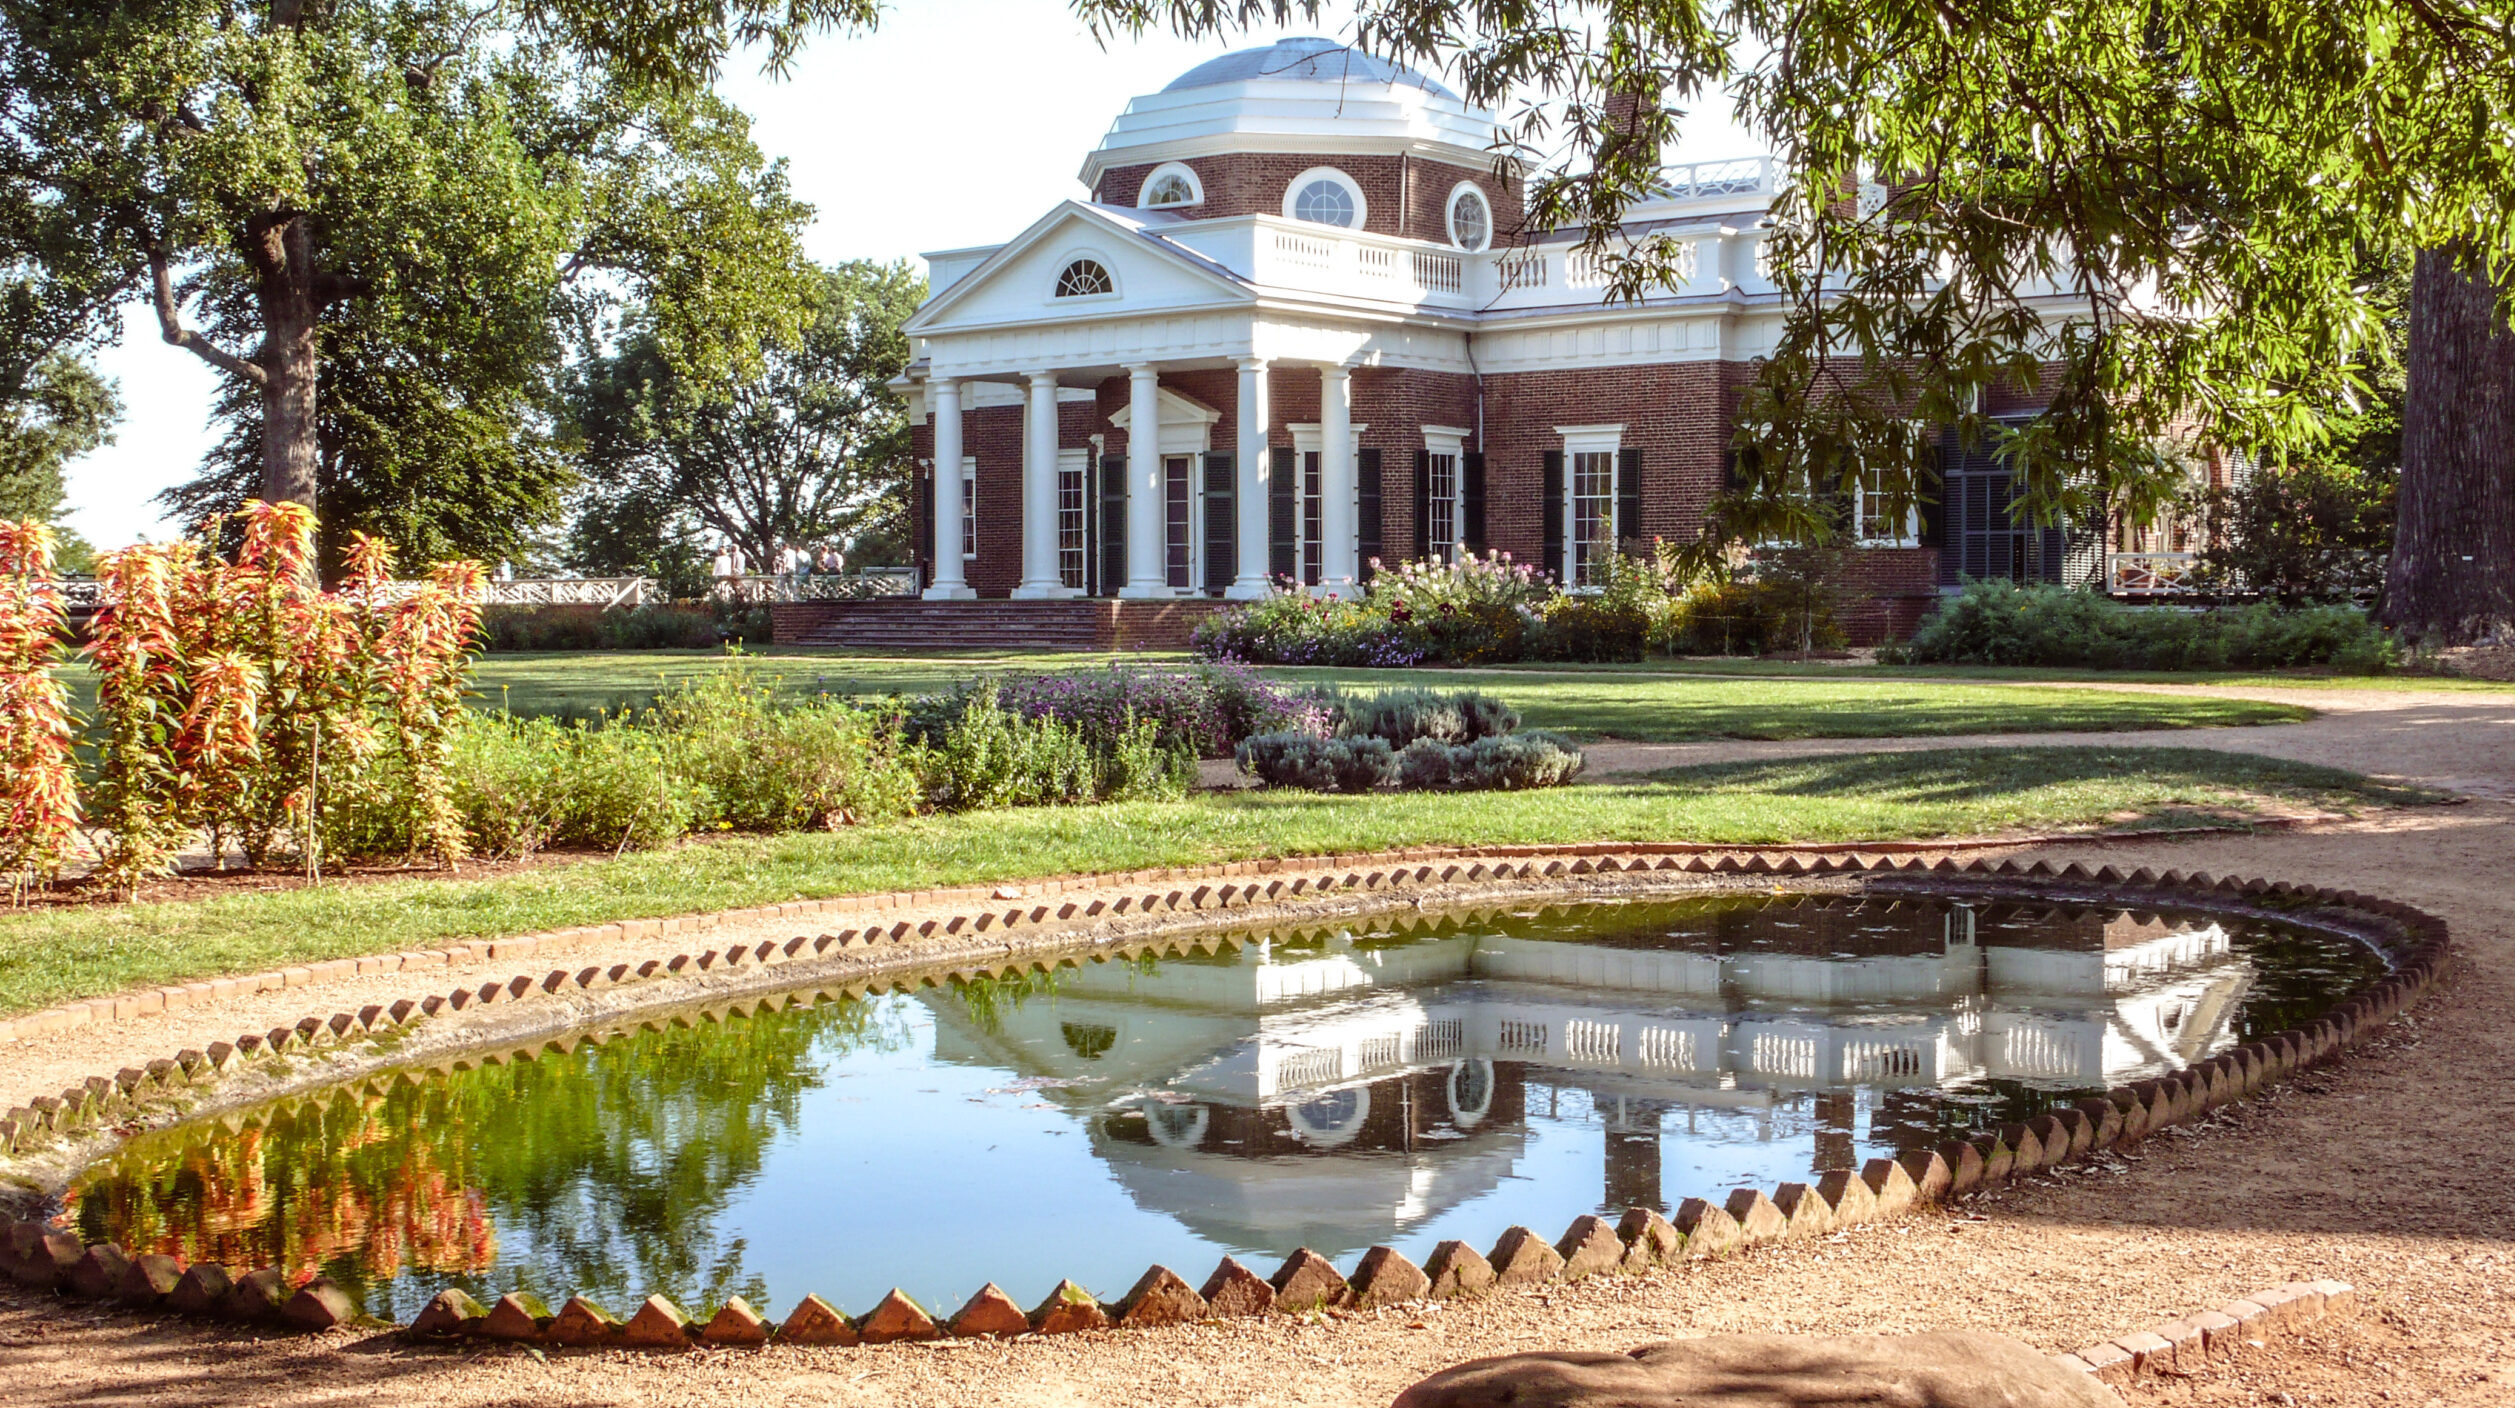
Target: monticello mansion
[(1299, 326)]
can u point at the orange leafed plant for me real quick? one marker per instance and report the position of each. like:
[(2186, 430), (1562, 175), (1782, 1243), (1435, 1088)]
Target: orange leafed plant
[(241, 699), (38, 775)]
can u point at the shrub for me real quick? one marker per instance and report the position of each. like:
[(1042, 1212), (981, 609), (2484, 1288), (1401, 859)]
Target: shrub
[(659, 626), (1401, 716), (1501, 762), (991, 756), (1203, 711), (1315, 764), (2315, 533), (1592, 629), (2001, 623), (1519, 761)]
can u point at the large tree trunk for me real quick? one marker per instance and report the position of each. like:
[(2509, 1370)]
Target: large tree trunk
[(2452, 577), (290, 315)]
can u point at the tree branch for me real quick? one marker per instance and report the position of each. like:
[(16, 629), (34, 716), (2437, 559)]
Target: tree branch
[(170, 326)]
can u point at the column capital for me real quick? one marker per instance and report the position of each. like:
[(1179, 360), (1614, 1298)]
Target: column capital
[(1338, 370), (1035, 378), (1142, 368), (1250, 364)]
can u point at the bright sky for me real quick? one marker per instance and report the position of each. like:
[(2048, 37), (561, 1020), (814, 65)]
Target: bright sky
[(952, 125)]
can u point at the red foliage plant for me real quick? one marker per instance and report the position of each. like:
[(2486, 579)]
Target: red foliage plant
[(240, 698), (38, 774)]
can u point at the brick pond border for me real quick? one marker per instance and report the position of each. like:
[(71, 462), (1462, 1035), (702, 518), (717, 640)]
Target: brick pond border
[(37, 1254), (2189, 1345)]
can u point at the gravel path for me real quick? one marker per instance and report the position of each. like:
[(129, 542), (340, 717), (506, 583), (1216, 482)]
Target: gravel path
[(2382, 1172)]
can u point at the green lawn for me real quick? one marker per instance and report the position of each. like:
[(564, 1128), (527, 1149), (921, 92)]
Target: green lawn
[(53, 956), (1585, 703), (2034, 674)]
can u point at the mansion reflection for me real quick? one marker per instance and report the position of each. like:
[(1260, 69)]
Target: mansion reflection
[(1337, 1088)]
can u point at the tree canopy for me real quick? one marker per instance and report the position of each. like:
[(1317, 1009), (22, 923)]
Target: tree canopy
[(2153, 218), (811, 448), (418, 202)]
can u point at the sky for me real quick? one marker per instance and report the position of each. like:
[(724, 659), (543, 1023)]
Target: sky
[(955, 123)]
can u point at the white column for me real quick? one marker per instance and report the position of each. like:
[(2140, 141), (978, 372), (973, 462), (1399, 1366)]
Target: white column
[(1250, 497), (1039, 492), (1339, 533), (1148, 535), (944, 399)]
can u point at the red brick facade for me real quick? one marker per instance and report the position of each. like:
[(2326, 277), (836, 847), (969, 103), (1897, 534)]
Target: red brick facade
[(1404, 196), (1675, 416)]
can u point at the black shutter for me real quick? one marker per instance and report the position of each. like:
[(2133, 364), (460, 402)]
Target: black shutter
[(1628, 494), (1222, 522), (1282, 490), (1366, 512), (1113, 524), (1933, 504), (922, 534), (1423, 505), (1471, 501), (1553, 491)]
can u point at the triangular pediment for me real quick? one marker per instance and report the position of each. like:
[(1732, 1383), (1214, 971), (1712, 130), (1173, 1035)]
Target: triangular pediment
[(1175, 410), (1019, 283)]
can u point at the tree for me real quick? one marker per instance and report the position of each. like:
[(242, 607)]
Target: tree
[(62, 410), (466, 175), (2452, 575), (2150, 216), (813, 448)]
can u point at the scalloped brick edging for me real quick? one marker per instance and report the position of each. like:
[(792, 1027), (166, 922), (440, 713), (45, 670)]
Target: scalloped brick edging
[(37, 1254), (2188, 1345)]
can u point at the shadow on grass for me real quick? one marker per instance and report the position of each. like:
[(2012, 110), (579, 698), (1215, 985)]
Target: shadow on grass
[(1960, 776)]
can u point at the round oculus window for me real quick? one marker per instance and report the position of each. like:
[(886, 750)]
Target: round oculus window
[(1471, 220), (1325, 201)]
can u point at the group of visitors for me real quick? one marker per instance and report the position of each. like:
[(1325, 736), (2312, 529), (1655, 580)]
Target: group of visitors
[(792, 563)]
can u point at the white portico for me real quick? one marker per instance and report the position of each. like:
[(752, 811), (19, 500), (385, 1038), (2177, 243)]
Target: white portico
[(1260, 354)]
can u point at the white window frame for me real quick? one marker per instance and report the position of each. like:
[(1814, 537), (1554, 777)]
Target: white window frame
[(1353, 189), (1911, 535), (1450, 441), (1196, 187), (1581, 440), (1449, 215), (1074, 512), (1076, 256), (969, 507), (1309, 438)]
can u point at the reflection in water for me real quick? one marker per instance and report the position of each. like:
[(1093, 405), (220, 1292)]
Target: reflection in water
[(1335, 1089)]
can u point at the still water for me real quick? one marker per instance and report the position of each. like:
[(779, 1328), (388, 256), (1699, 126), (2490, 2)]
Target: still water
[(1336, 1089)]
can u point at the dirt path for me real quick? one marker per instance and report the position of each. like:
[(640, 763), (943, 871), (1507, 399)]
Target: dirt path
[(2460, 742), (2383, 1172)]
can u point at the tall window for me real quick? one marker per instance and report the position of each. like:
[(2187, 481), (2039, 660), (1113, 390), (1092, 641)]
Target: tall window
[(1441, 508), (1085, 278), (1311, 503), (1879, 525), (1072, 508), (969, 507), (1175, 499), (1593, 515)]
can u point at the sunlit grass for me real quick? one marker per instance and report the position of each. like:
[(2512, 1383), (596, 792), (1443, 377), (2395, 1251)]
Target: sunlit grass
[(53, 956)]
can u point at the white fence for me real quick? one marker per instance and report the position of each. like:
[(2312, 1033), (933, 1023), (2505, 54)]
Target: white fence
[(2151, 573), (618, 593)]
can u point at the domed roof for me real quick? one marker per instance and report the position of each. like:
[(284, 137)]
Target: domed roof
[(1308, 58)]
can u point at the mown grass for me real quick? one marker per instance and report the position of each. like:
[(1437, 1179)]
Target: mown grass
[(1586, 704), (54, 956)]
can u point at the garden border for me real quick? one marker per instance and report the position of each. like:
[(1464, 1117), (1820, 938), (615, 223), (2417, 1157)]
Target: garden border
[(37, 1254), (2186, 1345)]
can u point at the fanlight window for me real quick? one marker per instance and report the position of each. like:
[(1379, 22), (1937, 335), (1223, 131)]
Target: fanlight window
[(1083, 278), (1325, 201), (1169, 188), (1471, 220)]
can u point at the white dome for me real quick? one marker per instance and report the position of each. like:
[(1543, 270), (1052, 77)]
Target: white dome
[(1306, 95)]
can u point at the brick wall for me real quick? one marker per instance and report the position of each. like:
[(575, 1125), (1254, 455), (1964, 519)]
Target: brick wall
[(1676, 414), (1405, 196)]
